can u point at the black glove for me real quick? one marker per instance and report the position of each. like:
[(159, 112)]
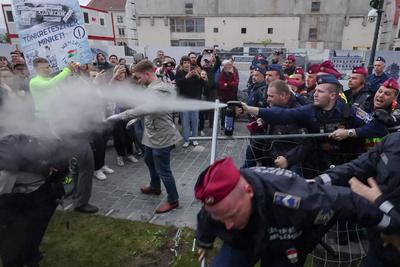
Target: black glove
[(384, 116)]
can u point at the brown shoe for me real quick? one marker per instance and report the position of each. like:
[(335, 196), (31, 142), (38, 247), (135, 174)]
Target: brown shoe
[(148, 190), (167, 206)]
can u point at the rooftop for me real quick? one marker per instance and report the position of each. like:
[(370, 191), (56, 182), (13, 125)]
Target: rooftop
[(107, 4)]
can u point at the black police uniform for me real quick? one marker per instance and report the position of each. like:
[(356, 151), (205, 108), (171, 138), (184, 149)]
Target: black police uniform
[(381, 163), (317, 120), (288, 214), (374, 82), (362, 99), (24, 216), (292, 149)]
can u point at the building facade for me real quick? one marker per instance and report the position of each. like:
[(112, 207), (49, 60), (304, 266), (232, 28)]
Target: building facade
[(124, 21), (340, 24), (98, 24)]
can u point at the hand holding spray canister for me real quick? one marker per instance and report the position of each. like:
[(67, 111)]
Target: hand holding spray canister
[(230, 116)]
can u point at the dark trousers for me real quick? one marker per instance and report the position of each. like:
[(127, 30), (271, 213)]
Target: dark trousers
[(158, 161), (123, 140), (23, 222), (201, 120), (211, 96), (99, 144)]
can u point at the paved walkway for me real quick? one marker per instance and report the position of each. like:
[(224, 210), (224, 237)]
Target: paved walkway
[(119, 196)]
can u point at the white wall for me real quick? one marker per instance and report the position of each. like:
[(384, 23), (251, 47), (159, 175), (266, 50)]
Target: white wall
[(356, 34), (157, 34), (94, 28), (285, 30)]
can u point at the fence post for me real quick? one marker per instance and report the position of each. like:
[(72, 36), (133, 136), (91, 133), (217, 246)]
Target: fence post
[(214, 134)]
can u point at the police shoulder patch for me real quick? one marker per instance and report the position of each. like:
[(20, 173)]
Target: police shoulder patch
[(287, 200), (324, 216), (362, 115)]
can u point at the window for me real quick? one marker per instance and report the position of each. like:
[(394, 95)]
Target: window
[(189, 8), (270, 30), (398, 35), (102, 22), (199, 25), (188, 42), (215, 30), (121, 31), (312, 34), (10, 17), (187, 25), (315, 6), (120, 19), (244, 30), (86, 17)]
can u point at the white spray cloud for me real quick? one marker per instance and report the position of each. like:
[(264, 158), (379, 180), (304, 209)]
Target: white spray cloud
[(79, 108)]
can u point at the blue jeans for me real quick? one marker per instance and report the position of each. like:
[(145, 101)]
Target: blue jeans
[(190, 124), (158, 161)]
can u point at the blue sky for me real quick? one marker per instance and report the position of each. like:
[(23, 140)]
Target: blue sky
[(2, 24)]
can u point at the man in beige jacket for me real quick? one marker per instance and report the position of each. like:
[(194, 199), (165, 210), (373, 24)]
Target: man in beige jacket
[(159, 137)]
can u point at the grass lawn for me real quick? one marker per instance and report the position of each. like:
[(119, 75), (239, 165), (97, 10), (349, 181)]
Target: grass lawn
[(98, 241)]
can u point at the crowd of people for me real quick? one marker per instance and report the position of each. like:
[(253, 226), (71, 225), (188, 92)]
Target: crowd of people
[(282, 99)]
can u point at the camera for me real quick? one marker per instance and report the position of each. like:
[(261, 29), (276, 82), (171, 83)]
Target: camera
[(372, 14), (169, 64)]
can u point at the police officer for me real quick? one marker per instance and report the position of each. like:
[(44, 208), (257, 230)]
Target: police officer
[(358, 95), (311, 81), (376, 79), (385, 108), (381, 162), (290, 65), (326, 115), (274, 72), (257, 90), (272, 215), (255, 149)]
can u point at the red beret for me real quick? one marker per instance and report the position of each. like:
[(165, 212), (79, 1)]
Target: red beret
[(217, 181), (313, 69), (299, 71), (391, 84), (294, 82), (360, 70), (328, 67), (291, 58)]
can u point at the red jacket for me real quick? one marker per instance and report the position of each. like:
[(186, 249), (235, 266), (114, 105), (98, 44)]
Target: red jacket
[(227, 86)]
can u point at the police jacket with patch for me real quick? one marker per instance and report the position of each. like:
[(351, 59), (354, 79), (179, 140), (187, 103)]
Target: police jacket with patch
[(362, 99), (315, 120), (289, 213), (256, 94), (381, 162)]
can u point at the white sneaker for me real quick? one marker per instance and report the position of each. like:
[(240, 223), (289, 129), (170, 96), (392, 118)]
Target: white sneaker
[(120, 161), (107, 169), (132, 158), (99, 175), (202, 133), (195, 143), (185, 145)]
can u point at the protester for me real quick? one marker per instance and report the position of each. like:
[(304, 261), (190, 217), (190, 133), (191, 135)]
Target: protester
[(159, 138), (190, 85)]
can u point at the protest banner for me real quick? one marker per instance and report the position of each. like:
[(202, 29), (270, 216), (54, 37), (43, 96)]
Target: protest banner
[(52, 29)]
